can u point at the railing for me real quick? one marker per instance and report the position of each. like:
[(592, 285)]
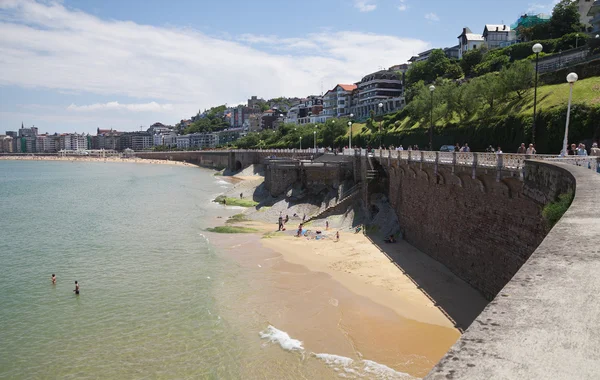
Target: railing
[(503, 161)]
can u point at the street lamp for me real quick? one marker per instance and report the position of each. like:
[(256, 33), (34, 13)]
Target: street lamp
[(315, 139), (431, 90), (537, 49), (300, 142), (576, 40), (350, 136), (380, 105), (571, 78)]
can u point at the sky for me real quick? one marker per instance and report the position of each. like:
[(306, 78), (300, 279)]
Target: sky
[(74, 66)]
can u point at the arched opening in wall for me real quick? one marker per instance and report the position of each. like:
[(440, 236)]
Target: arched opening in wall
[(238, 166)]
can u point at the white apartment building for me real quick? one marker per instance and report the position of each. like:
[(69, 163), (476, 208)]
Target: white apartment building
[(204, 140), (496, 36), (336, 102), (183, 142), (47, 143), (468, 41)]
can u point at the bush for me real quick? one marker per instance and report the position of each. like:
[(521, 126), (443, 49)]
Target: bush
[(553, 211), (232, 230)]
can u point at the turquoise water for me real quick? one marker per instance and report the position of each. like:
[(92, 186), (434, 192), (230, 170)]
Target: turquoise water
[(132, 236), (157, 300)]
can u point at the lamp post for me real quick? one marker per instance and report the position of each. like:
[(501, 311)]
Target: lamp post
[(350, 135), (431, 90), (380, 105), (576, 40), (537, 49), (315, 139), (571, 78), (300, 142)]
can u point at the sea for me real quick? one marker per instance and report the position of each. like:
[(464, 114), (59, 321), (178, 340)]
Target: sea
[(157, 298)]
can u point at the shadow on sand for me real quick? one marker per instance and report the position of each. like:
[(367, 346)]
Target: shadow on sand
[(455, 298)]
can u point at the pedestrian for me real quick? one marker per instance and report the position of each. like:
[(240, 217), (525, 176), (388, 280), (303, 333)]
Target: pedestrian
[(280, 222), (457, 147), (53, 279), (303, 218), (241, 195), (337, 236), (287, 218), (490, 149), (326, 225), (530, 150), (595, 152), (76, 288), (522, 149), (573, 150), (581, 151), (499, 150)]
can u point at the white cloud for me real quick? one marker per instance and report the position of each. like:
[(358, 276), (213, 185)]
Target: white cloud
[(172, 70), (402, 6), (432, 17), (116, 106), (365, 5)]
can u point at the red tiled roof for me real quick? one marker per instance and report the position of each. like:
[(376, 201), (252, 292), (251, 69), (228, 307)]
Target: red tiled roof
[(348, 87)]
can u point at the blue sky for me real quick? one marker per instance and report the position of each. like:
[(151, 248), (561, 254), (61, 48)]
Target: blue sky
[(74, 66)]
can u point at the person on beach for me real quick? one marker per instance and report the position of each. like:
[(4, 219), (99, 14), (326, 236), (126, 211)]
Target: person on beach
[(287, 219), (76, 288), (280, 222), (241, 195), (303, 218), (326, 225), (337, 236), (53, 279), (299, 230)]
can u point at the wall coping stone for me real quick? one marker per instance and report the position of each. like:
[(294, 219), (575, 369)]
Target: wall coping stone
[(544, 323)]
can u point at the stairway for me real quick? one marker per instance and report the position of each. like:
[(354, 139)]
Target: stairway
[(347, 196)]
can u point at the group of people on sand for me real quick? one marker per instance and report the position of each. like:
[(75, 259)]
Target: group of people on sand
[(76, 290)]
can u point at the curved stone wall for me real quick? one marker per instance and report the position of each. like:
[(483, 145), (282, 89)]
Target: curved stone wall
[(544, 323)]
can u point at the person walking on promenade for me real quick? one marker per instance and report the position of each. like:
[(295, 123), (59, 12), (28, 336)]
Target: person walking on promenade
[(573, 150), (76, 288), (595, 152), (581, 151), (531, 150), (457, 147), (522, 149), (499, 150)]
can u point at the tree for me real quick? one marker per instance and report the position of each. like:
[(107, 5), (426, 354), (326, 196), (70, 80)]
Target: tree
[(489, 89), (518, 77), (332, 130), (565, 19), (471, 59)]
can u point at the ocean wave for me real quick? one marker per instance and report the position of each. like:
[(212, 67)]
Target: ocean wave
[(274, 335), (350, 368)]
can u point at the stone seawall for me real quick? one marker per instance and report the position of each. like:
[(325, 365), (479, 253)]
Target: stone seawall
[(483, 230), (213, 160), (543, 323)]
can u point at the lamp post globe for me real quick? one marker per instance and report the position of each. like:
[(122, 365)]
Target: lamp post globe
[(432, 88), (571, 79), (537, 48)]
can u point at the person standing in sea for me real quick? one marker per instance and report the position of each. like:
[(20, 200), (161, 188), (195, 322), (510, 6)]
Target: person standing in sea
[(53, 279), (76, 288)]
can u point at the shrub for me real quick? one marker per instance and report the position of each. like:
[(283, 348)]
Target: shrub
[(553, 211)]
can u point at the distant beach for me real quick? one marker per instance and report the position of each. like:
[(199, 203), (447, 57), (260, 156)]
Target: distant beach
[(131, 160)]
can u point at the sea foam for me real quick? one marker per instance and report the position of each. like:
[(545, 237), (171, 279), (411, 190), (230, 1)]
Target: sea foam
[(282, 338), (350, 368)]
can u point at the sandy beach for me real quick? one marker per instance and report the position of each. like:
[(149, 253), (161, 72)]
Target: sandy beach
[(132, 160)]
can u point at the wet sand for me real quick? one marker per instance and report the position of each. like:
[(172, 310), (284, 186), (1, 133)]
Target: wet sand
[(343, 299)]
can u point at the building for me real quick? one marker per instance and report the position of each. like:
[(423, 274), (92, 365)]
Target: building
[(47, 143), (385, 87), (6, 144), (15, 140), (165, 139), (336, 102), (527, 21), (183, 142), (136, 141), (255, 102), (468, 41), (594, 18), (423, 56), (227, 136), (254, 122), (584, 10), (158, 128), (269, 118), (496, 36), (204, 140), (452, 52)]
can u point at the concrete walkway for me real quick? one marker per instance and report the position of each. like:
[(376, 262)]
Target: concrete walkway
[(545, 323)]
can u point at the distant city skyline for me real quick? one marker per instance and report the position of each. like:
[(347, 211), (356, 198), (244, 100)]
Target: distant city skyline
[(75, 66)]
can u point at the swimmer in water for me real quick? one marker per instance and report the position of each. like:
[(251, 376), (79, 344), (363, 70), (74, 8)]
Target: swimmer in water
[(53, 279), (76, 288)]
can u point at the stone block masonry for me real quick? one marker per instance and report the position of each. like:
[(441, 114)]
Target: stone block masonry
[(481, 229)]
